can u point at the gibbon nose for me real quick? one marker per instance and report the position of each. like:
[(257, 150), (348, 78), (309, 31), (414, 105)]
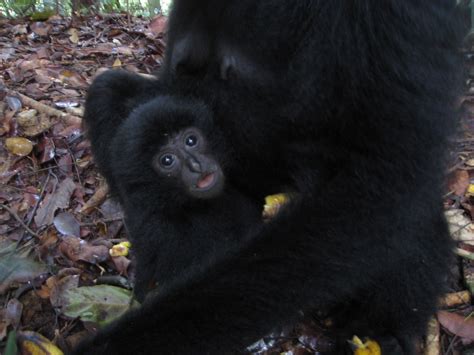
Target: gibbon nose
[(193, 165)]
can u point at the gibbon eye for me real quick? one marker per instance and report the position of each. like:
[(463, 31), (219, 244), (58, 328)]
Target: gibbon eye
[(191, 140), (167, 160)]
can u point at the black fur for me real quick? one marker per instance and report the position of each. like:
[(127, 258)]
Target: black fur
[(348, 102), (110, 99), (172, 232)]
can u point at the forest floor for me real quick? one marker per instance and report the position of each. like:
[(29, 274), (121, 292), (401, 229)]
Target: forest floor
[(59, 229)]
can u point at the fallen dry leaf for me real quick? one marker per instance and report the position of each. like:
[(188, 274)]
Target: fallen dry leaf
[(19, 146), (458, 325), (43, 124), (27, 118), (73, 35), (58, 286), (66, 224), (40, 28), (158, 24), (59, 199), (460, 226), (121, 264), (77, 249), (16, 267), (10, 316), (458, 182)]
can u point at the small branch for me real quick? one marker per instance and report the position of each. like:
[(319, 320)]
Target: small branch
[(33, 212), (455, 299), (97, 198), (74, 164), (19, 220), (27, 101), (105, 220)]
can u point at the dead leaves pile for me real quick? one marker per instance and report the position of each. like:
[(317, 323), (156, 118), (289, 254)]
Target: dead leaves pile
[(58, 229)]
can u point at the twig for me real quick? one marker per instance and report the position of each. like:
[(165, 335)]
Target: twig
[(74, 164), (40, 198), (27, 101), (97, 198), (44, 169), (105, 220), (19, 220), (52, 192), (451, 345)]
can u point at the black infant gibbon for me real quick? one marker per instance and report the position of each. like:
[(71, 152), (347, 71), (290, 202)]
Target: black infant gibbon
[(180, 215), (350, 103)]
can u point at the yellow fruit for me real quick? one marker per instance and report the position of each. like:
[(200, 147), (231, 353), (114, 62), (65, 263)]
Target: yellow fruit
[(369, 347), (32, 343), (120, 249), (273, 203), (19, 146)]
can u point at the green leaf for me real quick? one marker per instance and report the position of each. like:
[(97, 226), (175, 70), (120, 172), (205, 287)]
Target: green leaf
[(11, 348), (100, 304), (16, 266)]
